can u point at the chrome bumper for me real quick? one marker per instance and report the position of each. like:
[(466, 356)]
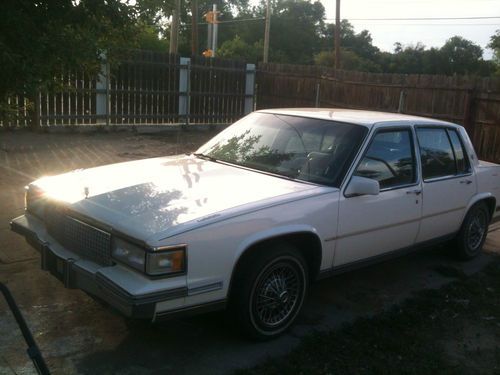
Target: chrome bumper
[(74, 276)]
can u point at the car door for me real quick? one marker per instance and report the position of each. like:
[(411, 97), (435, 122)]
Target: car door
[(372, 225), (448, 184)]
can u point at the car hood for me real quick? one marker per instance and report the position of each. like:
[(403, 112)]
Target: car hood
[(158, 198)]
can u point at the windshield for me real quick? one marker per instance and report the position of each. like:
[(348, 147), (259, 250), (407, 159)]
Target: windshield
[(306, 149)]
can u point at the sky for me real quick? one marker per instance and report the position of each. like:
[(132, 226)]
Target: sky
[(430, 33)]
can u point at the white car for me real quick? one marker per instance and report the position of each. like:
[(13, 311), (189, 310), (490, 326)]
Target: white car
[(277, 200)]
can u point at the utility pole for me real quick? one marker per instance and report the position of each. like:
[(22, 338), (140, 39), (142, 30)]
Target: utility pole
[(174, 28), (337, 36), (267, 31), (194, 27)]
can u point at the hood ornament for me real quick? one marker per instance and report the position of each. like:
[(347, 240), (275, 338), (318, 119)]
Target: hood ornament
[(86, 191)]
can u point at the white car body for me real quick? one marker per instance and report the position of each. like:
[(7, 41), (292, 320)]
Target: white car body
[(220, 211)]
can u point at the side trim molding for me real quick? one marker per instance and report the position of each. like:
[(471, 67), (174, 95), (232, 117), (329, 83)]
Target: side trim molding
[(382, 257), (192, 310)]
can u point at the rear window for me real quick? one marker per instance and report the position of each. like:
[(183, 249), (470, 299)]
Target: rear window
[(463, 165), (441, 153)]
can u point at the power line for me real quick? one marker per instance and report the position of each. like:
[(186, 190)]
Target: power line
[(419, 18), (233, 21), (243, 20), (437, 24)]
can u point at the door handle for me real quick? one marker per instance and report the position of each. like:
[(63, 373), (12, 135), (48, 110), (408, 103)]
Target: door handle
[(416, 192), (468, 182)]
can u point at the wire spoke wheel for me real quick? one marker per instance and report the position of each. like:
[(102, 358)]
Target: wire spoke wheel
[(277, 294), (476, 230)]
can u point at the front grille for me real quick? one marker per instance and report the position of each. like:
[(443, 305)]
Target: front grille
[(83, 239)]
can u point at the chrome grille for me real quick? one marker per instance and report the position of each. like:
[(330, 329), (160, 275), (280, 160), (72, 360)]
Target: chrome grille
[(83, 239)]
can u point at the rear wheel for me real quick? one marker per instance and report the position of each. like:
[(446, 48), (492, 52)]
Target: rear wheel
[(470, 239), (269, 291)]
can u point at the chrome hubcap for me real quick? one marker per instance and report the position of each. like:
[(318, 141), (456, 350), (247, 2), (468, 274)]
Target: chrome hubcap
[(277, 295)]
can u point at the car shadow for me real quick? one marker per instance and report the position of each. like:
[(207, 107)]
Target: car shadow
[(209, 344)]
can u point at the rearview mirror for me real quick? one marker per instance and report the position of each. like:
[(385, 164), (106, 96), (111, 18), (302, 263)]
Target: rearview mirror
[(362, 186)]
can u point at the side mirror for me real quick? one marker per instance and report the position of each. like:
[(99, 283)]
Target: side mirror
[(362, 186)]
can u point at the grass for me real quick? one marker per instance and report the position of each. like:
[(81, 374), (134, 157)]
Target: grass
[(453, 330)]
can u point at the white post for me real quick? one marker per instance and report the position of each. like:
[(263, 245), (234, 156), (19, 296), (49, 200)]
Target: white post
[(402, 97), (215, 30), (249, 88), (184, 89), (102, 94), (317, 95)]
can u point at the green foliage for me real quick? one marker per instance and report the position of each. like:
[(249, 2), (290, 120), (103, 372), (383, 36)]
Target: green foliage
[(495, 46), (149, 38), (295, 28), (237, 48), (457, 56), (350, 61), (39, 40), (462, 56)]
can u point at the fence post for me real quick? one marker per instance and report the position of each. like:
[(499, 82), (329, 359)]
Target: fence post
[(249, 88), (184, 89), (317, 95), (102, 93), (402, 98), (468, 122), (35, 125)]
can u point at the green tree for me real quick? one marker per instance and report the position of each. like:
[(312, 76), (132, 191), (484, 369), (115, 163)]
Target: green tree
[(461, 56), (237, 48), (495, 46), (41, 39), (350, 61)]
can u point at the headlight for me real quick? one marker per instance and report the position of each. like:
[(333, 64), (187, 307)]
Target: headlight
[(34, 200), (128, 253), (164, 261), (169, 261)]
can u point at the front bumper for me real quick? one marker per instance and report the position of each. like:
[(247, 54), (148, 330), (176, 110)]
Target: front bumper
[(98, 281)]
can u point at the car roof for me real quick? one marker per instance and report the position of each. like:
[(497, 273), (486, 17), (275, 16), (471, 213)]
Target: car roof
[(354, 116)]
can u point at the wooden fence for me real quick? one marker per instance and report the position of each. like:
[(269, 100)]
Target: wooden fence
[(144, 88), (472, 102), (150, 88)]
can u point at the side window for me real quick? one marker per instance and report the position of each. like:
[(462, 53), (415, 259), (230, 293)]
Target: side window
[(436, 153), (463, 165), (390, 159)]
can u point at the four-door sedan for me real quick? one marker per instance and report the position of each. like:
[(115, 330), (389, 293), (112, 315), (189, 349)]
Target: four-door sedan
[(273, 202)]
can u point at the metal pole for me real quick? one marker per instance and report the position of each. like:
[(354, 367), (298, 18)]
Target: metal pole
[(317, 96), (33, 351), (215, 29), (209, 35), (194, 27), (267, 31), (338, 63)]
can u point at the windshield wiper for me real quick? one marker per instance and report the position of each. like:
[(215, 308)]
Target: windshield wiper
[(204, 156)]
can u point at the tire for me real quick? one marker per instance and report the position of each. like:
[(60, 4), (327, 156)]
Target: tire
[(470, 240), (269, 291)]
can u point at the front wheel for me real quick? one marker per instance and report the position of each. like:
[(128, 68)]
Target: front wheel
[(269, 292), (470, 239)]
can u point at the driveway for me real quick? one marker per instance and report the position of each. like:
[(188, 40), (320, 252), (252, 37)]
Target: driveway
[(78, 335)]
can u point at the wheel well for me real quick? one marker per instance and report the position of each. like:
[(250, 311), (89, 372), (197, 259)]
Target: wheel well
[(307, 243), (491, 203)]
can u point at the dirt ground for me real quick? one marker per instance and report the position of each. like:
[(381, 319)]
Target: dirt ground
[(78, 335)]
